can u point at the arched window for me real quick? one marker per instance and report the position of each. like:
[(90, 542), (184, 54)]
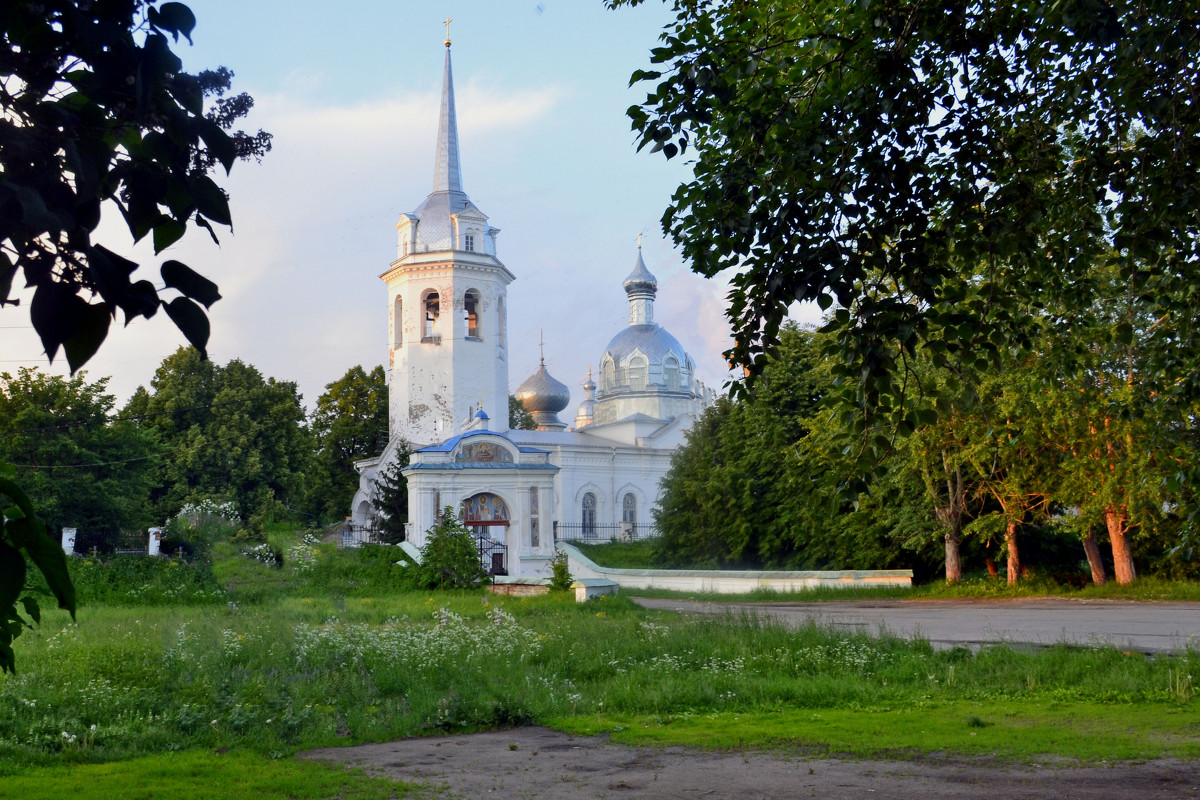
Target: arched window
[(608, 376), (534, 533), (398, 322), (671, 374), (588, 517), (471, 313), (404, 247), (629, 508), (637, 373), (433, 309), (469, 242)]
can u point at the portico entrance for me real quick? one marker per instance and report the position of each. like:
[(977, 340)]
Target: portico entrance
[(486, 516)]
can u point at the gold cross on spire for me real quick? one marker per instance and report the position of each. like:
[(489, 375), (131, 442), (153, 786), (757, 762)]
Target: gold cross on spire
[(447, 24), (639, 241)]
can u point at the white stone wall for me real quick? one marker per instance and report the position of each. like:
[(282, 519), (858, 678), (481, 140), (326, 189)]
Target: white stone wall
[(731, 581)]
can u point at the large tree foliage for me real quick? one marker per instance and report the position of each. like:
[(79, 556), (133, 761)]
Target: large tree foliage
[(390, 497), (350, 422), (81, 467), (1036, 460), (934, 169), (96, 111), (741, 491), (230, 434)]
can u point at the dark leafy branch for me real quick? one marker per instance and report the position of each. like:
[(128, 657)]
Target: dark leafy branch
[(935, 170)]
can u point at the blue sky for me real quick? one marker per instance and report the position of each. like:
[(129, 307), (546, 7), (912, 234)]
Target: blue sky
[(351, 97)]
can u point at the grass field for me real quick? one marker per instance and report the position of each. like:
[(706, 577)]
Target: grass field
[(192, 678)]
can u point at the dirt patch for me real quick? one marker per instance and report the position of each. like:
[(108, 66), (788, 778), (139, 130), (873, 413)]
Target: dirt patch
[(539, 764)]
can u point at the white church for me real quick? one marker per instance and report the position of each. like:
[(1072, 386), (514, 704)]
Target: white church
[(448, 351)]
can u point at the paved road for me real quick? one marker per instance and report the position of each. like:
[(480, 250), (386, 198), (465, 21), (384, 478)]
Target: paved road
[(1144, 627)]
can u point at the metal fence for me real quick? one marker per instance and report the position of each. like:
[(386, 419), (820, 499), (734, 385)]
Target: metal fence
[(493, 555), (603, 532)]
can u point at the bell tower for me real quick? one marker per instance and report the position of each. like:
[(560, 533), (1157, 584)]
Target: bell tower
[(447, 314)]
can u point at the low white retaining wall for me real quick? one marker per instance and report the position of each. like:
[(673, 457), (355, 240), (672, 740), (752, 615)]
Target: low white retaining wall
[(731, 581)]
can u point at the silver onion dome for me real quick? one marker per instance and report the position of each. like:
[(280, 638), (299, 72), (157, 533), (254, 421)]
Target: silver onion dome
[(544, 396), (640, 281), (587, 409)]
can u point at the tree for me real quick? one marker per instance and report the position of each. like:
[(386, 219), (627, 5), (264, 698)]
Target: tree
[(80, 467), (935, 452), (1122, 436), (390, 498), (729, 497), (519, 418), (230, 434), (754, 482), (96, 109), (933, 169), (450, 557), (350, 422)]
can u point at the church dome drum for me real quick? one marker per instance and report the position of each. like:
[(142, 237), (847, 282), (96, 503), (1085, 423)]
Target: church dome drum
[(655, 343)]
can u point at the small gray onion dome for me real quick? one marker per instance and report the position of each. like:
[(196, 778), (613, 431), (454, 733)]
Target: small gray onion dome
[(541, 392), (640, 281), (544, 397)]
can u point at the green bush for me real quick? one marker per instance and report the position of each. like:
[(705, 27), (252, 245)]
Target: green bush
[(198, 526), (450, 557), (144, 580), (560, 573)]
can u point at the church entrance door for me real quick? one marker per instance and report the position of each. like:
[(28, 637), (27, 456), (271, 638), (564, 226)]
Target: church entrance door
[(486, 515)]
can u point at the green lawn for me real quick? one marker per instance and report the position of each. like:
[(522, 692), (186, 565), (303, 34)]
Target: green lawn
[(234, 683)]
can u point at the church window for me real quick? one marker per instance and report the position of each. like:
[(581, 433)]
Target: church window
[(637, 374), (469, 242), (471, 313), (432, 310), (608, 376), (588, 519), (671, 373), (534, 516), (404, 247), (398, 323), (629, 508)]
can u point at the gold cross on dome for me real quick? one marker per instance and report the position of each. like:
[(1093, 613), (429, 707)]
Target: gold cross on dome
[(639, 241), (447, 24)]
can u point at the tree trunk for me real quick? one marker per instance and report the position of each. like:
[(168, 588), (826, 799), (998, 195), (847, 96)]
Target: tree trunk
[(1014, 555), (1118, 533), (1094, 561), (953, 562), (991, 566)]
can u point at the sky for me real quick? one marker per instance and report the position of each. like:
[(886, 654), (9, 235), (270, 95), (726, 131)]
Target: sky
[(350, 92)]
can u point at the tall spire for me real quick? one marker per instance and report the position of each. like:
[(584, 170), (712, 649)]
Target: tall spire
[(447, 176)]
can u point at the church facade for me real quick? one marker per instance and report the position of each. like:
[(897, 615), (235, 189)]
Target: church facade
[(448, 386)]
